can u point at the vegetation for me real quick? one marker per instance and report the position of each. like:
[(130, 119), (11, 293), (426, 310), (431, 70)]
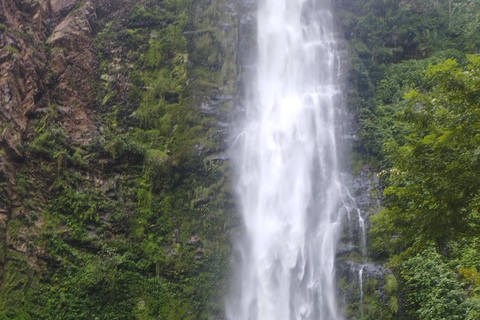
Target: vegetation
[(415, 92), (131, 225), (433, 183)]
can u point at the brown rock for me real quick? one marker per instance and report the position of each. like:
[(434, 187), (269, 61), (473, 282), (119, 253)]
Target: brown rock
[(58, 61), (29, 91), (74, 32), (74, 65), (10, 140), (58, 5)]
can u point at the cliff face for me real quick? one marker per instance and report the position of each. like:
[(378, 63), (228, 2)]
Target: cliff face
[(44, 46), (115, 197)]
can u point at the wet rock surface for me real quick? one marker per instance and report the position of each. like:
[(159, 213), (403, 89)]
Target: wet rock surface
[(357, 275), (351, 270)]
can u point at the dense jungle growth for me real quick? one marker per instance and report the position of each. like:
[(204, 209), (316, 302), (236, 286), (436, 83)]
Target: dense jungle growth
[(415, 89)]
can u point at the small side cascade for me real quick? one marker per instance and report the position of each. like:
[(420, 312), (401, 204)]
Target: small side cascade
[(350, 206), (363, 244), (363, 237), (360, 284), (356, 230)]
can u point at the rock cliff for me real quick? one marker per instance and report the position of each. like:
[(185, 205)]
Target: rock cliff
[(115, 197)]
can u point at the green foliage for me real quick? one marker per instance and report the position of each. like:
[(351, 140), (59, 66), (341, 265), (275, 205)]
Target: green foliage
[(106, 287), (431, 290), (433, 184), (113, 220), (11, 49), (424, 146), (156, 162), (16, 289), (390, 44), (48, 143), (372, 305), (125, 149)]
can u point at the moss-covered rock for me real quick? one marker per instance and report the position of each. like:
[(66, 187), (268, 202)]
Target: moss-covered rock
[(120, 204)]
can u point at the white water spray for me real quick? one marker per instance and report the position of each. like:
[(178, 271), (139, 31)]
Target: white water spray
[(363, 236), (290, 188)]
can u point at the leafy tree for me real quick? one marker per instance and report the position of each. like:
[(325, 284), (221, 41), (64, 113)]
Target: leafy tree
[(431, 291), (434, 185)]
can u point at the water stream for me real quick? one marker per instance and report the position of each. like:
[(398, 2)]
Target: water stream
[(290, 187), (360, 284)]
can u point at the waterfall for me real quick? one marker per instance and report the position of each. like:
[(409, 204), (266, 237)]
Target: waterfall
[(360, 284), (289, 180), (363, 235)]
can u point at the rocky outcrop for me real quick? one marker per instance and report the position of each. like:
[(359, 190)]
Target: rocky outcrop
[(47, 70), (58, 5), (72, 176), (73, 64), (361, 280), (21, 69)]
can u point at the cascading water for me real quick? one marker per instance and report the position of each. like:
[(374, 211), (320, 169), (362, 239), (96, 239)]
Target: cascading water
[(290, 188), (360, 284)]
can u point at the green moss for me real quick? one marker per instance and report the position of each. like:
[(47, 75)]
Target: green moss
[(11, 49), (357, 162), (48, 143), (14, 228), (16, 290), (391, 285)]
